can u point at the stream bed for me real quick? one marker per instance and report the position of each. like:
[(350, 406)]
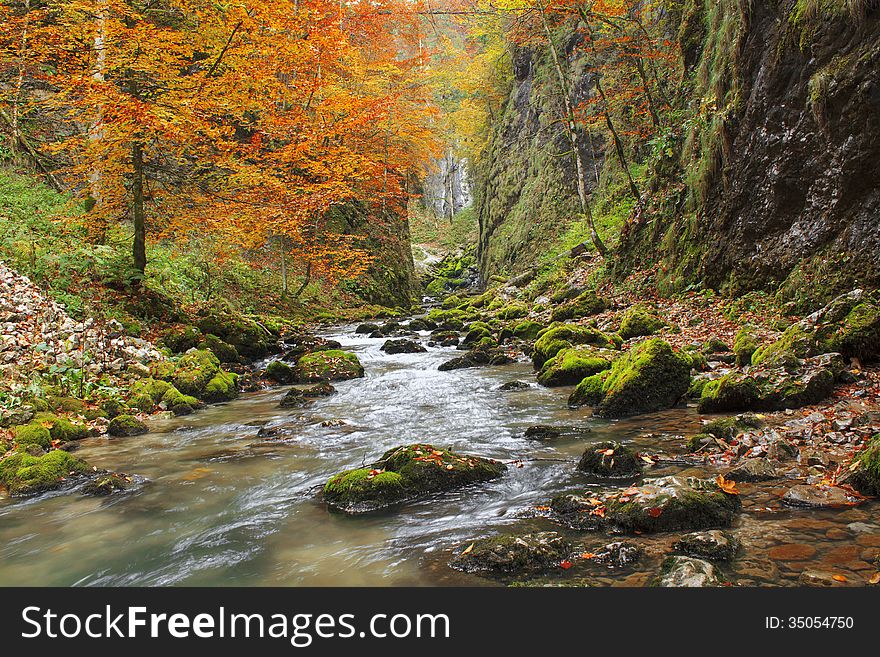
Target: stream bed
[(218, 505)]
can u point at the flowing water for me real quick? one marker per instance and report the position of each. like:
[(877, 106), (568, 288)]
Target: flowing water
[(217, 505)]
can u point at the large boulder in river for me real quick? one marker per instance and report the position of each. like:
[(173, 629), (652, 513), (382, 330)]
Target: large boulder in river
[(402, 346), (330, 365), (406, 473), (609, 460), (649, 377), (562, 336), (571, 366), (248, 337), (762, 388), (849, 325), (25, 474), (657, 505), (501, 556)]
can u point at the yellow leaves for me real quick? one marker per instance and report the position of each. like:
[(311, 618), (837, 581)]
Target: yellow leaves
[(839, 578), (726, 485), (874, 579), (468, 549)]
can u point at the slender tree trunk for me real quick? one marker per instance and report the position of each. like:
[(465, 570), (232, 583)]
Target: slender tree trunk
[(139, 248), (283, 267), (19, 80), (98, 226), (618, 143), (305, 282), (571, 131)]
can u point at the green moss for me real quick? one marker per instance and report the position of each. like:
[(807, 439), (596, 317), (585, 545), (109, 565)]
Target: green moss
[(330, 365), (857, 335), (513, 311), (142, 402), (729, 393), (609, 459), (69, 405), (570, 366), (586, 305), (155, 389), (126, 425), (866, 477), (728, 428), (650, 377), (173, 397), (223, 386), (224, 351), (639, 321), (795, 342), (280, 372), (32, 434), (562, 336), (527, 330), (113, 407), (65, 430), (23, 474), (181, 339), (246, 335), (590, 391), (745, 344), (194, 371)]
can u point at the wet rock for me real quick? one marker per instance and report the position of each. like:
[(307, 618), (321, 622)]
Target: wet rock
[(565, 336), (24, 474), (657, 505), (638, 321), (280, 372), (792, 552), (471, 359), (649, 377), (781, 450), (714, 544), (820, 496), (513, 386), (501, 556), (618, 554), (420, 324), (865, 478), (293, 399), (125, 426), (676, 572), (756, 469), (406, 473), (334, 423), (571, 366), (819, 578), (366, 328), (772, 389), (330, 365), (402, 346), (106, 484), (318, 390), (609, 459), (546, 432)]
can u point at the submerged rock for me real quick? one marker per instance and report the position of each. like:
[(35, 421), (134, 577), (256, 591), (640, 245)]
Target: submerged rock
[(609, 459), (106, 484), (547, 432), (402, 346), (514, 386), (649, 377), (657, 505), (755, 469), (820, 496), (406, 473), (501, 556), (280, 372), (713, 544), (618, 554), (679, 572)]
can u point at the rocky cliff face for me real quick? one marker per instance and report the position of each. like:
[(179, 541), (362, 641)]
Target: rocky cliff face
[(447, 189), (526, 193), (787, 191)]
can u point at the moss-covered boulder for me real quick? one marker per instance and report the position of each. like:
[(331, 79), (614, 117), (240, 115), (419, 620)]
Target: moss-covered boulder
[(527, 330), (280, 372), (61, 428), (225, 352), (609, 459), (406, 473), (728, 428), (586, 305), (113, 407), (181, 339), (649, 377), (503, 556), (571, 366), (772, 389), (155, 389), (33, 433), (849, 325), (657, 505), (106, 483), (745, 344), (366, 328), (198, 374), (23, 474), (246, 335), (513, 311), (639, 321), (402, 346), (331, 365), (865, 476), (178, 403), (124, 426), (563, 336)]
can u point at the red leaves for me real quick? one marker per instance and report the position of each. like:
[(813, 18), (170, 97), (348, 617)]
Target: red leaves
[(565, 564), (655, 512)]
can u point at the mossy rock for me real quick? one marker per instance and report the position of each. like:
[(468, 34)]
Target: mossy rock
[(155, 389), (33, 433), (657, 505), (126, 425), (586, 305), (402, 346), (366, 328), (649, 377), (513, 311), (504, 556), (609, 459), (181, 339), (570, 366), (406, 473), (728, 428), (225, 352), (106, 484), (223, 386), (639, 321), (562, 336), (527, 330), (745, 344), (452, 301), (772, 389), (247, 336), (61, 428), (280, 372), (686, 572), (141, 402), (23, 474), (714, 345), (178, 403), (68, 405), (331, 365), (113, 407), (194, 370), (866, 477)]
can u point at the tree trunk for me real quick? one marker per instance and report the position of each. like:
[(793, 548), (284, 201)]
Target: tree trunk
[(283, 267), (571, 131), (139, 250), (98, 225)]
